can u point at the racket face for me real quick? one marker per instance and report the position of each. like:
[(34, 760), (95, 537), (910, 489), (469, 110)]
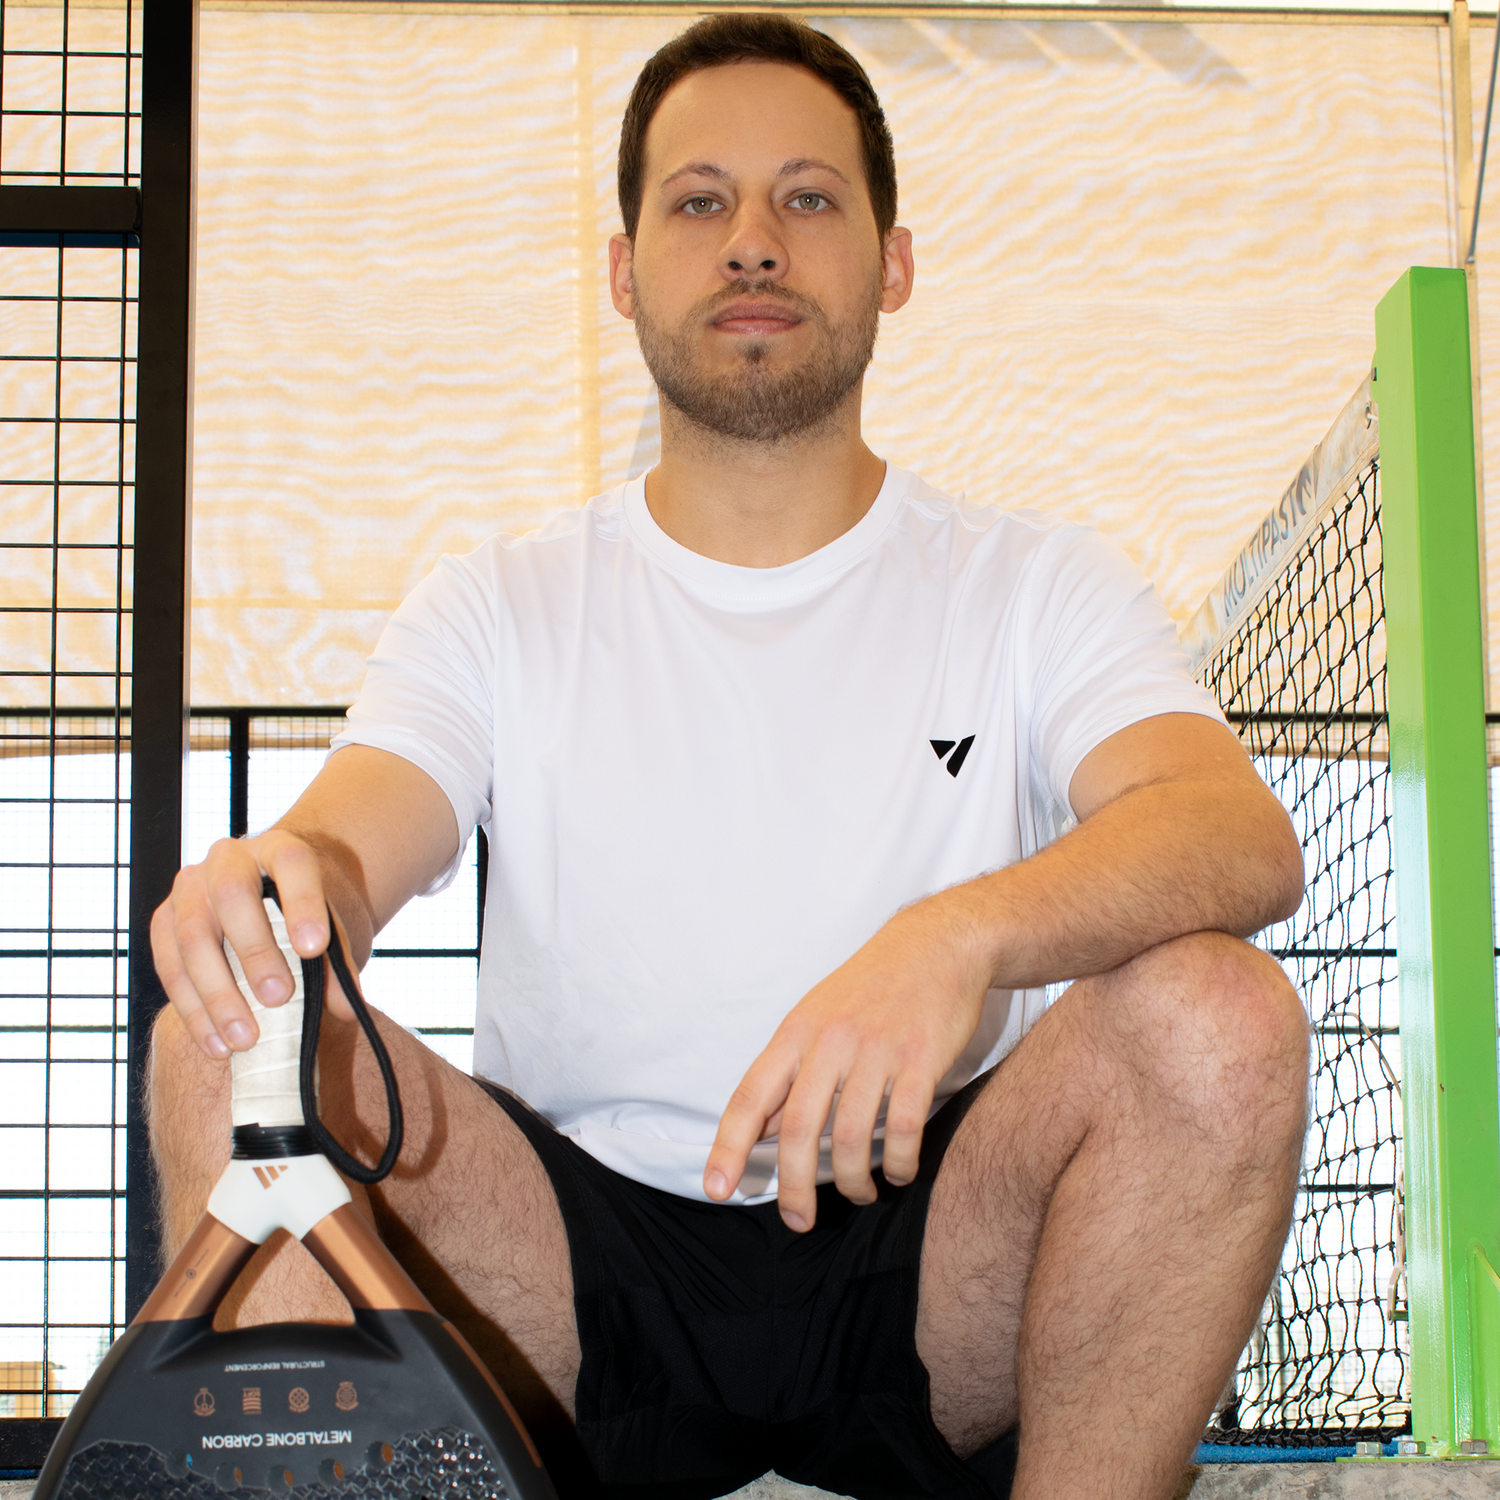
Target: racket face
[(392, 1406)]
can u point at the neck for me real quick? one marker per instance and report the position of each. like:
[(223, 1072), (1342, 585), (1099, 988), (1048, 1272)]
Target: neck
[(759, 505)]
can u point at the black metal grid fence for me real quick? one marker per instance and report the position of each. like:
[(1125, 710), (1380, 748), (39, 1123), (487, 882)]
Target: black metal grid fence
[(70, 91), (70, 94)]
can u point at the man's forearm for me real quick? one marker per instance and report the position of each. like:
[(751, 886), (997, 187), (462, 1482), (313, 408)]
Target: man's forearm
[(381, 829), (1156, 863)]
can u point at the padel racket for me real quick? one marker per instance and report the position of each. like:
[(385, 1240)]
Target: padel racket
[(395, 1405)]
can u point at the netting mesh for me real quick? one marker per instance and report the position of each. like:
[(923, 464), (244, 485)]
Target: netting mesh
[(1303, 682)]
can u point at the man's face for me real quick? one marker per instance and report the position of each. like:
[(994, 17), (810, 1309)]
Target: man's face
[(757, 276)]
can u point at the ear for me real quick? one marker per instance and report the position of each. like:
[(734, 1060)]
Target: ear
[(621, 266), (898, 268)]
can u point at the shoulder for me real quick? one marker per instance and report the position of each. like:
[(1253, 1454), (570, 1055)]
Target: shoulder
[(1023, 540), (562, 535), (509, 562)]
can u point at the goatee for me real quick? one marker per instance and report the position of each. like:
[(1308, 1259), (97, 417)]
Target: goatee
[(749, 403)]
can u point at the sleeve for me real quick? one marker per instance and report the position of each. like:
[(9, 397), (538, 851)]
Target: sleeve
[(1104, 654), (428, 691)]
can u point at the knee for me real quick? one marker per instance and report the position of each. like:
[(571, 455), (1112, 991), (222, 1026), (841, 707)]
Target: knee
[(1229, 1038)]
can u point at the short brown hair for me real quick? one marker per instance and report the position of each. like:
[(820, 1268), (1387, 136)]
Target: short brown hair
[(718, 40)]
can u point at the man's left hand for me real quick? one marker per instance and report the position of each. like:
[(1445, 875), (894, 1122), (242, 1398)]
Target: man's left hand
[(1177, 834), (885, 1026)]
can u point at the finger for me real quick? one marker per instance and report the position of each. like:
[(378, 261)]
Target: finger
[(800, 1143), (758, 1095), (905, 1120), (299, 890), (234, 884), (854, 1120), (180, 989), (227, 884)]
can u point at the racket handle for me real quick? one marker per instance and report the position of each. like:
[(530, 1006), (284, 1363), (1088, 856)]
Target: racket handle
[(265, 1087)]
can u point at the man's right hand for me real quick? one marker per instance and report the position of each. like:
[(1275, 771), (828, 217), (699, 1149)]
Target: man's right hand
[(369, 833), (221, 898)]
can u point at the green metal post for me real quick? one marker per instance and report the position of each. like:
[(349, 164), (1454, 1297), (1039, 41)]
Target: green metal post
[(1440, 791)]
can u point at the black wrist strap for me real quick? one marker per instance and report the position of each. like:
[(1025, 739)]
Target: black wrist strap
[(314, 990)]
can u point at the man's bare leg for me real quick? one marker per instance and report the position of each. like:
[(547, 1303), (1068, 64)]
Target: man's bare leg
[(1109, 1216), (468, 1210)]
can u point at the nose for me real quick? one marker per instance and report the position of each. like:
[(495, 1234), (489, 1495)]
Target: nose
[(753, 248)]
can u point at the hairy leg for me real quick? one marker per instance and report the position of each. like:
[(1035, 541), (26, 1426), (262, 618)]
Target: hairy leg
[(1109, 1216), (468, 1210)]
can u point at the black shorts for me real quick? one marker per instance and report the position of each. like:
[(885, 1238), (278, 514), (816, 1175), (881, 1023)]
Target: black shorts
[(718, 1344)]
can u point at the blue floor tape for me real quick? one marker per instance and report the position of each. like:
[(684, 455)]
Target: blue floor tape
[(1237, 1453)]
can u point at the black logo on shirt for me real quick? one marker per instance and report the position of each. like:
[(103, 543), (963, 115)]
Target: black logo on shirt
[(954, 762)]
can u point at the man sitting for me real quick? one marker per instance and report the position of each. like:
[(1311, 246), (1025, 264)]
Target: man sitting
[(802, 782)]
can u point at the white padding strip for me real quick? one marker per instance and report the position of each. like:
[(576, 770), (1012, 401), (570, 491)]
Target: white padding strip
[(255, 1198), (265, 1090)]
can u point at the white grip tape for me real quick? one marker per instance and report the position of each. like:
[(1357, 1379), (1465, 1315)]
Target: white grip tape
[(265, 1089)]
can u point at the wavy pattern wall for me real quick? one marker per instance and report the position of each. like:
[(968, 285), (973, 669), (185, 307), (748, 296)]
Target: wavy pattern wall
[(1148, 256)]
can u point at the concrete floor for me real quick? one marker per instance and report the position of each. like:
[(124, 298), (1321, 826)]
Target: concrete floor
[(1427, 1481), (1457, 1480)]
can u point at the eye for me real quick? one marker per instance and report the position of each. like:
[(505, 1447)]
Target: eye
[(699, 207), (809, 202)]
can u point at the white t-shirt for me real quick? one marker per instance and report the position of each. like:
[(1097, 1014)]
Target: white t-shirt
[(705, 786)]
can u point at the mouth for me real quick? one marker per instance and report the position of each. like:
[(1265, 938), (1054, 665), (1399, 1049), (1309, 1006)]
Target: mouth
[(756, 319)]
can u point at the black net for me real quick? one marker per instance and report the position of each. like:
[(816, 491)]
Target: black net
[(1303, 682)]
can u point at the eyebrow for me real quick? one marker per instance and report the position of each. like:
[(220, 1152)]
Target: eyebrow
[(810, 164), (697, 169), (787, 169)]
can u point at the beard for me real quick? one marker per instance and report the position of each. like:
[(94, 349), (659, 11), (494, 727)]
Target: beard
[(749, 403)]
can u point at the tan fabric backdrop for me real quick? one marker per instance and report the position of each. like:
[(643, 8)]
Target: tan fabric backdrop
[(1148, 255)]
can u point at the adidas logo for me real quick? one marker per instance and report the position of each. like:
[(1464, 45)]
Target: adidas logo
[(268, 1175), (954, 762)]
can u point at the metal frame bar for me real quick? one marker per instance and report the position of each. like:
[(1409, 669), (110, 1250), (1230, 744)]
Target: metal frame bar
[(1440, 793), (1466, 175), (70, 210), (1068, 10), (163, 540)]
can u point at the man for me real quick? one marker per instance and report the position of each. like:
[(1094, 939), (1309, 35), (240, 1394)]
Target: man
[(774, 749)]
